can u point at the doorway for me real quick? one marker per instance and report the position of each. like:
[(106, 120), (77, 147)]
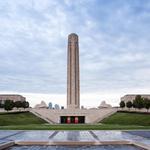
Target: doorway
[(72, 119)]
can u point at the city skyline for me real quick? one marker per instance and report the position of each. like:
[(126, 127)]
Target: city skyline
[(114, 48)]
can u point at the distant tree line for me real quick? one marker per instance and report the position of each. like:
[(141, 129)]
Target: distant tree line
[(9, 105), (138, 103)]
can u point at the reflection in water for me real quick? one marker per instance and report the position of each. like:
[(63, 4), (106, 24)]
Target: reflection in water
[(108, 147), (73, 136), (138, 136)]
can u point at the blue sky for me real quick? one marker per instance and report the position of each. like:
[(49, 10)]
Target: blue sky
[(114, 48)]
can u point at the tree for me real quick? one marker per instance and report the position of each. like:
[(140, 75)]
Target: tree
[(18, 104), (122, 104), (138, 102), (1, 105), (146, 103), (129, 104), (25, 104), (8, 105), (134, 105)]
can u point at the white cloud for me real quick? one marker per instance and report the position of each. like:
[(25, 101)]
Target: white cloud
[(114, 46)]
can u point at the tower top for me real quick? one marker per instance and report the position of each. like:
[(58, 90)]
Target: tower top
[(73, 37), (72, 34)]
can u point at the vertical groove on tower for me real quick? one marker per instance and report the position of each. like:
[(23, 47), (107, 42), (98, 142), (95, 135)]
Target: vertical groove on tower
[(73, 81)]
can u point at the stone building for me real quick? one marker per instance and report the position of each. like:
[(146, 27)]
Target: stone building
[(41, 105), (104, 105), (131, 97), (13, 97)]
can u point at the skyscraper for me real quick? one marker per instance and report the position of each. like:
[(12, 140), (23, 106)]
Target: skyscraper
[(73, 78)]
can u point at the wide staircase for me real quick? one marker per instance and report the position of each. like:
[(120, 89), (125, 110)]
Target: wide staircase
[(92, 116)]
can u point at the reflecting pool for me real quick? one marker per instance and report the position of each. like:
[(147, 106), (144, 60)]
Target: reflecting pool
[(109, 147), (95, 136)]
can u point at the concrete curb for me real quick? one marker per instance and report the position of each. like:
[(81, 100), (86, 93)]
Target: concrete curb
[(6, 145)]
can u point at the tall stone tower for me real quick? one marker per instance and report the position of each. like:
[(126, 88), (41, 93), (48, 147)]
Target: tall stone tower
[(73, 79)]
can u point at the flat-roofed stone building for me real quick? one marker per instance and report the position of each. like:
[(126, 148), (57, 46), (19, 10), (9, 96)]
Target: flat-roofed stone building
[(131, 97), (13, 97)]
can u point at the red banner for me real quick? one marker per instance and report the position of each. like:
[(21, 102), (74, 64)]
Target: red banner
[(76, 120), (68, 120)]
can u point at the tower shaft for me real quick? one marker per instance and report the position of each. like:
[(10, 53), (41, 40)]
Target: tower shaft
[(73, 78)]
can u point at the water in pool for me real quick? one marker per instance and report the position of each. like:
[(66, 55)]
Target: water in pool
[(108, 147)]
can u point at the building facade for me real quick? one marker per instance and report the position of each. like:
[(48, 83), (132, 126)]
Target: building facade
[(13, 97), (131, 97)]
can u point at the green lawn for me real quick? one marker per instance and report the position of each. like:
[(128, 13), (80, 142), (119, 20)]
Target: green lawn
[(19, 118), (73, 127), (126, 118), (118, 121)]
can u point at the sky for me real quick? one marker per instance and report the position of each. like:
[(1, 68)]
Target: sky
[(114, 41)]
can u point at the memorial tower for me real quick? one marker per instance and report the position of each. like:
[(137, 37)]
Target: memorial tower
[(73, 77)]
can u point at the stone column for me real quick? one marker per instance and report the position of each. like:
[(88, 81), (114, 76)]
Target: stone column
[(73, 80)]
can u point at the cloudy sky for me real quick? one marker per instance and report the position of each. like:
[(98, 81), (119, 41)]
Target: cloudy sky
[(114, 48)]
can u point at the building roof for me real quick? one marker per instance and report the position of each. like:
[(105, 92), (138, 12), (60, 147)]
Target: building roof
[(137, 94), (10, 95)]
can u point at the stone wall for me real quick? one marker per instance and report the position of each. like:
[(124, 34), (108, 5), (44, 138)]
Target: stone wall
[(91, 115)]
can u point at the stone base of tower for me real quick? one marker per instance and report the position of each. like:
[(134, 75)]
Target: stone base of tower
[(72, 107), (88, 116)]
